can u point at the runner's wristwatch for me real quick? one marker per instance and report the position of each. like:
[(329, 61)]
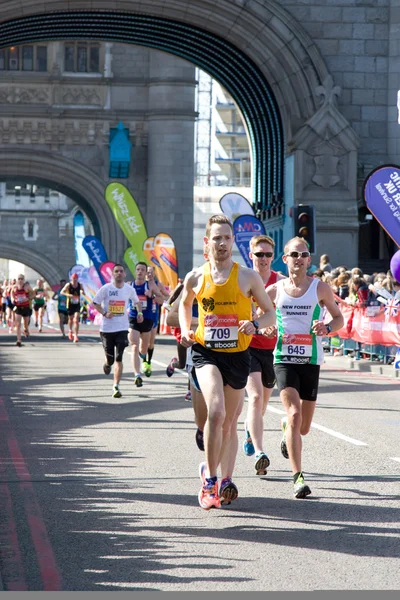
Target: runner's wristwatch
[(256, 325), (328, 328)]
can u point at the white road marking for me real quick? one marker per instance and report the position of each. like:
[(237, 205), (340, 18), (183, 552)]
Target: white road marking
[(393, 458), (324, 429)]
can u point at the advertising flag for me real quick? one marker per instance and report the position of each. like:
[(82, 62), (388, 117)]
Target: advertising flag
[(164, 248), (128, 217), (382, 197), (81, 256), (131, 258), (233, 205), (106, 271), (151, 259), (95, 251), (245, 227)]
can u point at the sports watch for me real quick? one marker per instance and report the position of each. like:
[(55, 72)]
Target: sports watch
[(256, 325), (328, 328)]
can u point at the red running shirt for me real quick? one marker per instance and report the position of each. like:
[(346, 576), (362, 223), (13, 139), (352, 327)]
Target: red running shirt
[(261, 341)]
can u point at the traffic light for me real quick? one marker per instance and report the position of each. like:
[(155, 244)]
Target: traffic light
[(304, 224)]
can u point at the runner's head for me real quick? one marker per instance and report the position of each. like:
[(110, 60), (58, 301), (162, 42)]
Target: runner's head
[(21, 280), (296, 254), (74, 277), (118, 273), (219, 238), (141, 271), (262, 252)]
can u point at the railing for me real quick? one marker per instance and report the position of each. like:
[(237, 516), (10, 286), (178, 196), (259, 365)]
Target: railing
[(349, 347)]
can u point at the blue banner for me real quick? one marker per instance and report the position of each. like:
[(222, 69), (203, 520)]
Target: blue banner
[(382, 197), (245, 227), (96, 252)]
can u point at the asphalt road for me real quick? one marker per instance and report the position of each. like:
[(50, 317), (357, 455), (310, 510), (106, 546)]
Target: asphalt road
[(101, 494)]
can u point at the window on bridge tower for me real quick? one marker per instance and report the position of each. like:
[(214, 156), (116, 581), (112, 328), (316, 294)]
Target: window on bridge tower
[(81, 57)]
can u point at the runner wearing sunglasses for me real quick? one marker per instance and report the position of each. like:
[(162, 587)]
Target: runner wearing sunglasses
[(261, 380), (298, 354)]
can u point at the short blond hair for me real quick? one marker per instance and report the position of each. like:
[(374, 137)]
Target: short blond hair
[(261, 239), (218, 220), (295, 239)]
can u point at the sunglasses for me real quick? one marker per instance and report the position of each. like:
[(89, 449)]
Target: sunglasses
[(20, 278), (296, 254), (261, 254)]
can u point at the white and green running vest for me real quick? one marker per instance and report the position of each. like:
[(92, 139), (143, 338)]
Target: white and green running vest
[(294, 318)]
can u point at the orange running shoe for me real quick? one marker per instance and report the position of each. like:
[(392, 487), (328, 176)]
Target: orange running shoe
[(76, 339), (208, 495), (70, 336)]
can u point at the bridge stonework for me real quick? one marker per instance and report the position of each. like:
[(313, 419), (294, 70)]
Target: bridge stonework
[(332, 67)]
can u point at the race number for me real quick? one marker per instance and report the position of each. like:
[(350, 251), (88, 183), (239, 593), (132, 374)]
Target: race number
[(116, 307), (297, 346), (221, 331)]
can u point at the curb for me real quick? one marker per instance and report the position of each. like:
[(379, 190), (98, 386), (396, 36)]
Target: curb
[(362, 365)]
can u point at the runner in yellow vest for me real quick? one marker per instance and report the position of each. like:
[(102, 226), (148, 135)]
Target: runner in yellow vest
[(224, 292)]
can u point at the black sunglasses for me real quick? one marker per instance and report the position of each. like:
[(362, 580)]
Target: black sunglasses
[(296, 254), (261, 254)]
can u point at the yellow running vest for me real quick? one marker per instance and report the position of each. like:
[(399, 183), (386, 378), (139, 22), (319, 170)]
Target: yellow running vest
[(221, 307)]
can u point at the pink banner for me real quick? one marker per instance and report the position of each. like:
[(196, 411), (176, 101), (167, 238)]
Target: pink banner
[(106, 270), (372, 324)]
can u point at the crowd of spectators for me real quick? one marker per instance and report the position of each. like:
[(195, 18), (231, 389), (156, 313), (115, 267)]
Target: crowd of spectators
[(354, 286)]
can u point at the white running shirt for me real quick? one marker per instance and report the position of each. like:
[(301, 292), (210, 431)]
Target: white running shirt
[(115, 300), (294, 316)]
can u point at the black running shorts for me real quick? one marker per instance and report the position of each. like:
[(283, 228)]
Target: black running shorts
[(303, 378), (143, 327), (73, 308), (262, 361), (24, 311), (233, 366), (111, 340)]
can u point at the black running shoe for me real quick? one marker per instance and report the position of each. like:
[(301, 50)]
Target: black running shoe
[(138, 381), (200, 439), (301, 489), (106, 369), (284, 450)]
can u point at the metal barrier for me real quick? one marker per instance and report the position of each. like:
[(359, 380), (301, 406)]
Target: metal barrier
[(374, 353)]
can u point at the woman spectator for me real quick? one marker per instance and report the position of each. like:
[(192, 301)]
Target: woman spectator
[(342, 284)]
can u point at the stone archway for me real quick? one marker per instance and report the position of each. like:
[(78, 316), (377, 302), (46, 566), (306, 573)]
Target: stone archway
[(258, 52), (37, 261), (71, 178)]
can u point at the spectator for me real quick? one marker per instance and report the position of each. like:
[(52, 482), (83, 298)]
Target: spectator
[(324, 263), (358, 291), (342, 284)]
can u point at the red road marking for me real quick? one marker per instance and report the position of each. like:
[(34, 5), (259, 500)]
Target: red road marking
[(49, 572), (13, 571)]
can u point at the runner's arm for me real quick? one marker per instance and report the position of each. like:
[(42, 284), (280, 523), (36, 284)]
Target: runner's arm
[(64, 291), (268, 317), (326, 297), (185, 309), (137, 305)]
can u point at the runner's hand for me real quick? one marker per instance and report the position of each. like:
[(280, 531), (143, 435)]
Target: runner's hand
[(269, 332), (246, 327), (188, 339), (319, 328)]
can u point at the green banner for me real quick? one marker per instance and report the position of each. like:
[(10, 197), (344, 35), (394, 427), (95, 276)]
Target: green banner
[(131, 258), (129, 218)]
